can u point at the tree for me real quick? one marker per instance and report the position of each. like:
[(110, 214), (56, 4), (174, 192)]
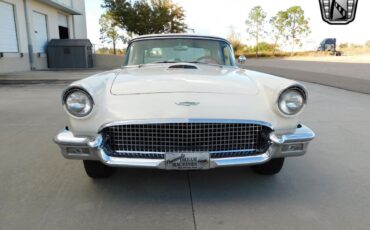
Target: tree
[(255, 24), (278, 28), (367, 44), (147, 17), (234, 39), (297, 25), (108, 31)]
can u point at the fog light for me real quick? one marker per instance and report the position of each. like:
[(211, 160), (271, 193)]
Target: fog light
[(292, 147), (78, 151)]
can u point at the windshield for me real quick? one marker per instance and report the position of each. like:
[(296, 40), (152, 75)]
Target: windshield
[(172, 50)]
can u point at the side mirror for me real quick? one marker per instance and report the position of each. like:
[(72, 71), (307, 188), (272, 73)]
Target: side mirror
[(242, 59)]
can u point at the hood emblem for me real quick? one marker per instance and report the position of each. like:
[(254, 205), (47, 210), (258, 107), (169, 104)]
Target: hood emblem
[(187, 103)]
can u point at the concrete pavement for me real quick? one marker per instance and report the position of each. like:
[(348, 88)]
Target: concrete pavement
[(46, 77), (349, 76), (326, 189)]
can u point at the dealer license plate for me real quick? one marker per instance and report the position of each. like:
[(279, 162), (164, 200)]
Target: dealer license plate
[(187, 161)]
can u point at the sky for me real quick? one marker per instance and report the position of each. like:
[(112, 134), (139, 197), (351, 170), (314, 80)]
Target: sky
[(215, 17)]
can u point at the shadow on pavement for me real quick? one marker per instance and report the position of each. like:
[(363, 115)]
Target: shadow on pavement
[(213, 186)]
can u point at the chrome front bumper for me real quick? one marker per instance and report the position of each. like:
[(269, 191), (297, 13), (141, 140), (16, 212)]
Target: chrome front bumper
[(85, 148)]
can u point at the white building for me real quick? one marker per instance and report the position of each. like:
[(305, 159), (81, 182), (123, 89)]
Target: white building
[(26, 26)]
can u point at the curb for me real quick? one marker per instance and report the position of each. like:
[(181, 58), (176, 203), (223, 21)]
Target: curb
[(34, 82)]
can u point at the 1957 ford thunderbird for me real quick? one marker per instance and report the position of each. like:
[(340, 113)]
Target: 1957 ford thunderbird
[(180, 103)]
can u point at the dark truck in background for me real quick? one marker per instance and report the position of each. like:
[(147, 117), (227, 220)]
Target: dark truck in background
[(330, 45)]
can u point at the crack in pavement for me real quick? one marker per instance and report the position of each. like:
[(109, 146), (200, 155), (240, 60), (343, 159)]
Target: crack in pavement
[(191, 200)]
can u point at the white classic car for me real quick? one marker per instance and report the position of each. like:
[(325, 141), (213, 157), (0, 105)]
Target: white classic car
[(180, 103)]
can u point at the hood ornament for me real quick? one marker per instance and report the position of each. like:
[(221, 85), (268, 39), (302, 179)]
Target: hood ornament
[(187, 103)]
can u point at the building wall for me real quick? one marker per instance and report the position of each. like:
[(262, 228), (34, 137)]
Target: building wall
[(79, 21), (76, 25)]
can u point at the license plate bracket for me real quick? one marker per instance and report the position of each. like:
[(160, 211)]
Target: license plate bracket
[(187, 161)]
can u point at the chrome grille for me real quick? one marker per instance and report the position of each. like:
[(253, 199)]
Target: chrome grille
[(153, 140)]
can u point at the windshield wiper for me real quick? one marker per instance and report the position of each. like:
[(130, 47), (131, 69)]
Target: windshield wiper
[(204, 63), (157, 62)]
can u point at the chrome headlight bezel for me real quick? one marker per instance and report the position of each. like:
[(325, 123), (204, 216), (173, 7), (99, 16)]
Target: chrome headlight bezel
[(283, 108), (89, 102)]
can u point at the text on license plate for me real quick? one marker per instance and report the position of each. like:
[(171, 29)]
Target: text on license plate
[(187, 161)]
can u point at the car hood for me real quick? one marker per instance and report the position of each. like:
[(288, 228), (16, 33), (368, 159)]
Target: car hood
[(182, 78), (205, 93)]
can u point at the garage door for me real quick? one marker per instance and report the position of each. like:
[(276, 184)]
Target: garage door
[(8, 34), (41, 32)]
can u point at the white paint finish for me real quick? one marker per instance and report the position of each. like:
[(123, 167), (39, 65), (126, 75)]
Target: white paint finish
[(163, 79), (62, 20), (8, 31), (40, 32), (232, 101)]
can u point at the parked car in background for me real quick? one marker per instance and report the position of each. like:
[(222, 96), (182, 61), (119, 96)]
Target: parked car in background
[(242, 59), (180, 103)]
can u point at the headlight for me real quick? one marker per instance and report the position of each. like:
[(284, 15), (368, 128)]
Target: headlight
[(292, 100), (78, 102)]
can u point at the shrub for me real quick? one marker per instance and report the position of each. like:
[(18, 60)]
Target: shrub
[(343, 45)]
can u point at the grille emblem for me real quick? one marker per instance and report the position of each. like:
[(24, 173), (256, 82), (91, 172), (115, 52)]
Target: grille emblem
[(338, 12), (187, 103)]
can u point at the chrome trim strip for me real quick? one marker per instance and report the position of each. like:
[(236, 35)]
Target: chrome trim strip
[(183, 120), (241, 161), (129, 162), (160, 163), (210, 152), (174, 36), (177, 36)]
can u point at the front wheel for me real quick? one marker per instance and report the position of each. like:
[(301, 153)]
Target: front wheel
[(270, 168), (95, 169)]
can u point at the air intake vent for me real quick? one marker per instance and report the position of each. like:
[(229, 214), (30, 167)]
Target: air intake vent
[(183, 66)]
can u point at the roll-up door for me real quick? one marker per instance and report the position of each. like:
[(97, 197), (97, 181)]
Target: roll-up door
[(8, 34)]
